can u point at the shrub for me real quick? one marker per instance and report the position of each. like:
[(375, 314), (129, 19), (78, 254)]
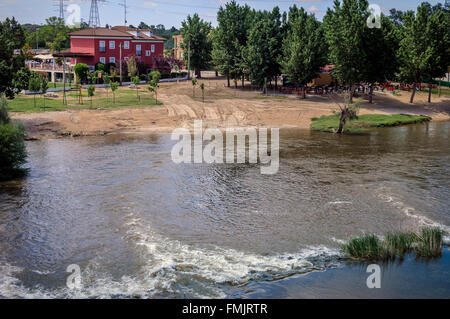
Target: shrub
[(12, 150), (4, 117)]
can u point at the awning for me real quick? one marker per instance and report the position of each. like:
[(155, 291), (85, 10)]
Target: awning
[(70, 54)]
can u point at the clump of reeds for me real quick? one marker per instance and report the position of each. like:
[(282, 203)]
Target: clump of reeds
[(427, 243)]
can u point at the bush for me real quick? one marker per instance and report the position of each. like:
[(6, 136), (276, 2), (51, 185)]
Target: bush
[(12, 150), (4, 117)]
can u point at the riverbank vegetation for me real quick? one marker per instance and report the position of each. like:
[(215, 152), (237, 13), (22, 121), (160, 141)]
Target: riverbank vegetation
[(427, 243), (330, 123), (12, 146)]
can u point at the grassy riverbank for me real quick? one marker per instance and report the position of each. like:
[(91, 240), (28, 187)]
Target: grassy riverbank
[(125, 98), (331, 123)]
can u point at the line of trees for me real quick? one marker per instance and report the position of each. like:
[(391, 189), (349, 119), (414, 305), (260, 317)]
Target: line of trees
[(410, 47)]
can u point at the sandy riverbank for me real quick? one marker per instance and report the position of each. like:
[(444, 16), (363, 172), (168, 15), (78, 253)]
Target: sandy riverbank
[(223, 107)]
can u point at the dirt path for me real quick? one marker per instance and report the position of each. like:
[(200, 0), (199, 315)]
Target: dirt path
[(223, 107)]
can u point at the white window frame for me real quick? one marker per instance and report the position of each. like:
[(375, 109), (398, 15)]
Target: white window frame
[(147, 53), (126, 45), (102, 46), (112, 45), (140, 49), (103, 60), (153, 48), (112, 59)]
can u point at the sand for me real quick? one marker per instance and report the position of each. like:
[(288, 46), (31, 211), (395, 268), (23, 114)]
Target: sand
[(223, 107)]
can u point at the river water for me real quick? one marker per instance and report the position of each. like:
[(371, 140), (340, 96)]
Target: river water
[(139, 225)]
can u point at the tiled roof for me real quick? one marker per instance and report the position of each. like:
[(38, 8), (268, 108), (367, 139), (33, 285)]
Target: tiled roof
[(118, 31)]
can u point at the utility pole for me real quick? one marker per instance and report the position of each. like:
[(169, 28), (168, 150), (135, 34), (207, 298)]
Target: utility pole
[(64, 80), (189, 58), (120, 62)]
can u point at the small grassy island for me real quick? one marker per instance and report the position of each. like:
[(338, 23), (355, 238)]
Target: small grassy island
[(330, 123), (427, 243)]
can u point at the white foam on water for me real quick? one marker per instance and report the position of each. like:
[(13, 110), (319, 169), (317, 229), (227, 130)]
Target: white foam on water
[(339, 202), (411, 212), (171, 268)]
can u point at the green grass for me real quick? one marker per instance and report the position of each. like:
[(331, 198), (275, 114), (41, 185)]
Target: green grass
[(427, 243), (330, 123), (51, 85), (124, 99)]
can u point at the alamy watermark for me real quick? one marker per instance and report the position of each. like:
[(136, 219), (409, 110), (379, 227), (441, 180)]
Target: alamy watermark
[(191, 149), (374, 280), (374, 20), (74, 15)]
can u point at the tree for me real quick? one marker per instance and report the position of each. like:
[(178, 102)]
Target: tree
[(381, 54), (82, 71), (107, 81), (11, 37), (13, 152), (153, 83), (194, 83), (91, 90), (22, 79), (230, 38), (304, 51), (345, 29), (43, 86), (132, 67), (34, 86), (345, 32), (202, 87), (136, 82), (262, 54), (196, 42), (114, 87), (423, 51)]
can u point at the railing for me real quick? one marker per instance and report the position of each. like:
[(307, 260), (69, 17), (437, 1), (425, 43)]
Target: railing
[(37, 66)]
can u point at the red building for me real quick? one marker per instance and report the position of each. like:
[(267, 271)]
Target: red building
[(94, 45)]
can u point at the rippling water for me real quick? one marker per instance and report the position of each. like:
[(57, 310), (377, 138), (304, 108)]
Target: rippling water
[(141, 226)]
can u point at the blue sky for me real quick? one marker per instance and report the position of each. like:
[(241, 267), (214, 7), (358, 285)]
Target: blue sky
[(167, 12)]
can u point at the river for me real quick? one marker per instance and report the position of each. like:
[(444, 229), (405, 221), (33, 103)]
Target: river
[(139, 225)]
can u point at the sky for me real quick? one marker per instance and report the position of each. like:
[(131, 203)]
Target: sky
[(167, 12)]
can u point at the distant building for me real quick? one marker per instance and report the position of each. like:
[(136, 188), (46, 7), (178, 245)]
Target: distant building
[(94, 45), (177, 50)]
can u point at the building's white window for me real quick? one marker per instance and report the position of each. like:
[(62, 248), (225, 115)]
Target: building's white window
[(102, 46), (147, 52), (102, 60), (126, 45), (153, 48), (112, 44), (138, 49), (112, 60)]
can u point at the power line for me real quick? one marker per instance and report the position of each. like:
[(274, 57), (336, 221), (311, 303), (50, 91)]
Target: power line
[(124, 5)]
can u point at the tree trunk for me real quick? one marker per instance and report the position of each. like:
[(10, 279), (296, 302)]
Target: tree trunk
[(276, 83), (371, 94), (303, 92), (413, 93), (243, 81), (344, 115), (350, 100), (429, 92), (228, 80)]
